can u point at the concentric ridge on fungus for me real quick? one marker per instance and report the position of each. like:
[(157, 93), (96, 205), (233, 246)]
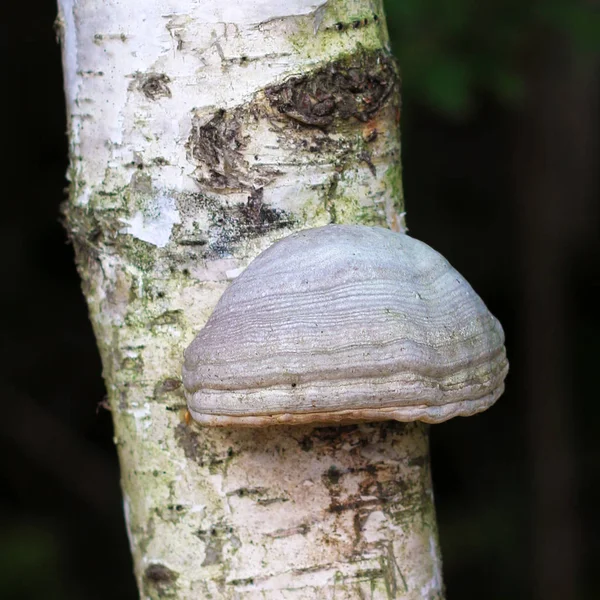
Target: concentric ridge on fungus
[(345, 323)]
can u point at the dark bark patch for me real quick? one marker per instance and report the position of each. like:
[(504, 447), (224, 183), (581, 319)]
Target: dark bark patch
[(355, 23), (368, 160), (259, 495), (89, 230), (90, 73), (93, 232), (306, 443), (160, 581), (217, 148), (167, 386), (257, 218), (242, 582), (331, 436), (248, 492), (195, 448), (301, 529), (353, 504), (100, 38), (154, 85), (333, 475), (353, 87), (419, 461), (230, 224)]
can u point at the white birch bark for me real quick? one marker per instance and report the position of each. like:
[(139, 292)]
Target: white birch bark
[(200, 132)]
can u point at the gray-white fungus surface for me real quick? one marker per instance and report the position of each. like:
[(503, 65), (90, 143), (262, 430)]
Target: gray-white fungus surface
[(345, 323)]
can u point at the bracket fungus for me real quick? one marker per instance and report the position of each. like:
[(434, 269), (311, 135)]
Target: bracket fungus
[(342, 324)]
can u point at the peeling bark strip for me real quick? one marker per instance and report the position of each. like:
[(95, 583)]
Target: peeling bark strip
[(196, 141)]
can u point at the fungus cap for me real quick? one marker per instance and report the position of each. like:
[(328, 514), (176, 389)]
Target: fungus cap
[(345, 323)]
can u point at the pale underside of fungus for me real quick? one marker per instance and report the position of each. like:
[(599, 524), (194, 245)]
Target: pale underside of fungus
[(345, 323)]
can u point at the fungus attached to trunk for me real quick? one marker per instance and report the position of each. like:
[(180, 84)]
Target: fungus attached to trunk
[(343, 324)]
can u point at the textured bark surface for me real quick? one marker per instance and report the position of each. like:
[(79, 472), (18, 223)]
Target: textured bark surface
[(199, 134)]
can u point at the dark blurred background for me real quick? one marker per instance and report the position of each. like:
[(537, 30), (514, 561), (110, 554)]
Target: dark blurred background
[(501, 160)]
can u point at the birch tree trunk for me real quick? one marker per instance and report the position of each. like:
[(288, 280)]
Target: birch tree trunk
[(200, 132)]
